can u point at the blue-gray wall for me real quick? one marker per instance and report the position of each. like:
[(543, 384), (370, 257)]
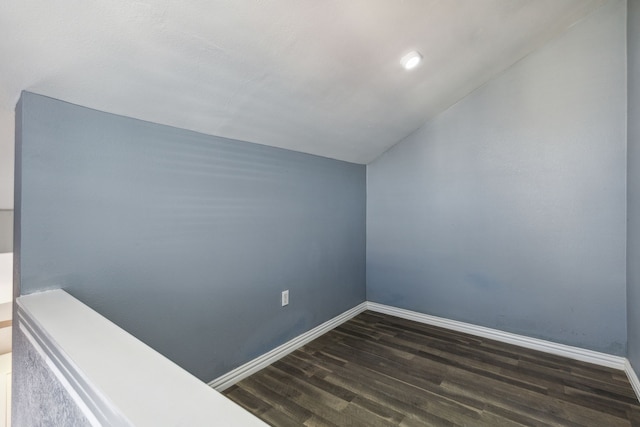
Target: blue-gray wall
[(633, 218), (508, 210), (186, 240)]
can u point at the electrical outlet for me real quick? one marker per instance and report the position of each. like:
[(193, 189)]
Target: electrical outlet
[(285, 297)]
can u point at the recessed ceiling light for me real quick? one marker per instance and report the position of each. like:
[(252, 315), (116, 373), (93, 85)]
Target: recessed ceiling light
[(411, 60)]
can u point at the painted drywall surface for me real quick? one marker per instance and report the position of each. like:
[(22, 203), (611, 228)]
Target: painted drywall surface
[(186, 240), (6, 279), (17, 199), (38, 397), (508, 210), (7, 154), (319, 78), (6, 231), (633, 200)]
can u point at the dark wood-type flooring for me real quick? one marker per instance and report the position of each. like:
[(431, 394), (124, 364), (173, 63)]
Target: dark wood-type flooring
[(379, 370)]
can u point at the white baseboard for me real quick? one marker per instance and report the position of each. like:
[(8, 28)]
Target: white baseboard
[(576, 353), (227, 380), (633, 378)]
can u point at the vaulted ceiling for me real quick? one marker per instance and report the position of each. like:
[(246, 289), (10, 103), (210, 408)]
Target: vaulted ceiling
[(322, 77)]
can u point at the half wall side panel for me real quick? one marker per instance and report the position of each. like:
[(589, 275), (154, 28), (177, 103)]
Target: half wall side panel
[(39, 398)]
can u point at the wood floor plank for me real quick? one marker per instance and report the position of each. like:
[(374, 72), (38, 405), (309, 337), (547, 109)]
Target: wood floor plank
[(277, 397), (379, 370), (248, 400), (415, 403), (319, 409)]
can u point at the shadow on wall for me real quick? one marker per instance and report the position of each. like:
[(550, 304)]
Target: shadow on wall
[(6, 231)]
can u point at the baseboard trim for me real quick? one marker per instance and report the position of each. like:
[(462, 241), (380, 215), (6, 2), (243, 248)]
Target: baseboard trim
[(633, 378), (576, 353), (230, 378)]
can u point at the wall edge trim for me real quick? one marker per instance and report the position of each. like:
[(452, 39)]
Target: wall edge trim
[(575, 353), (241, 372), (633, 377)]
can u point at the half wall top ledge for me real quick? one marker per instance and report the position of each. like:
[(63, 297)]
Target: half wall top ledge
[(321, 78), (116, 380)]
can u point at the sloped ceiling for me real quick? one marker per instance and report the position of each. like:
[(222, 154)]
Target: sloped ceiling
[(322, 77)]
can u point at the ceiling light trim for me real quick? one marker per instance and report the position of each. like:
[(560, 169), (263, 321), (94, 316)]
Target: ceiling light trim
[(411, 60)]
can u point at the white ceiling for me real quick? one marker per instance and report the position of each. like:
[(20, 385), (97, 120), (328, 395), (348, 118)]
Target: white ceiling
[(321, 77)]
